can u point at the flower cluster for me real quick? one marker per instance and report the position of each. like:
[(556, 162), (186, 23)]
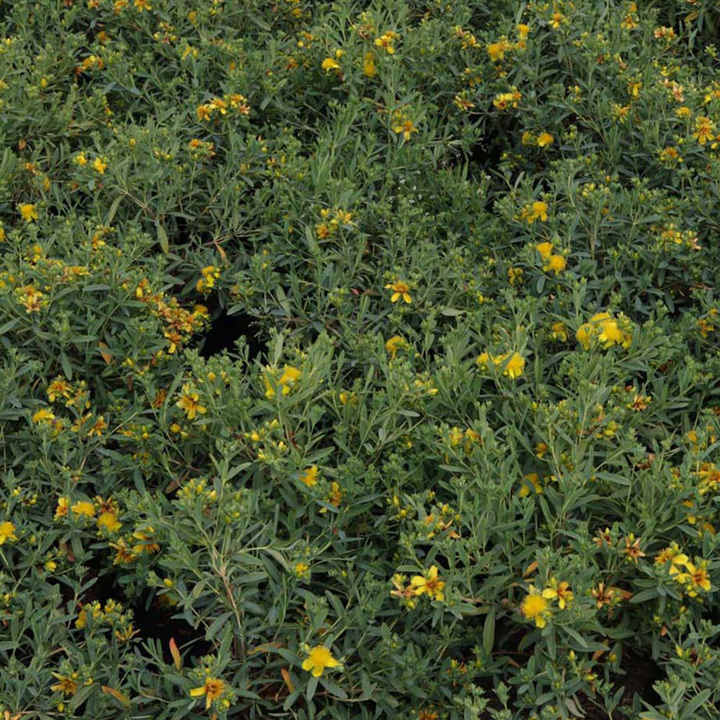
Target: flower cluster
[(512, 364), (180, 323), (402, 124), (554, 262), (218, 107), (537, 210), (95, 615), (286, 381), (426, 584), (189, 401), (691, 576), (537, 604), (386, 41), (331, 222), (605, 329), (506, 100), (209, 274)]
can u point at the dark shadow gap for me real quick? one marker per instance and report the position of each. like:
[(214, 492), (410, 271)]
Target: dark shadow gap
[(224, 332), (155, 621)]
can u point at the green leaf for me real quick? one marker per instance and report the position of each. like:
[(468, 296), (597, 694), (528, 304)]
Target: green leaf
[(489, 631), (217, 625), (162, 237), (644, 595), (311, 688), (113, 209)]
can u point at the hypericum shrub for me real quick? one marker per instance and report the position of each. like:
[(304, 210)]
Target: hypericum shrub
[(459, 455)]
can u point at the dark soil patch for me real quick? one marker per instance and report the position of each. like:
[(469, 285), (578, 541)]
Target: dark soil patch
[(157, 621), (225, 330)]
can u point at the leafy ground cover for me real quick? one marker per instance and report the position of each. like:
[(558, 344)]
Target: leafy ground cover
[(359, 359)]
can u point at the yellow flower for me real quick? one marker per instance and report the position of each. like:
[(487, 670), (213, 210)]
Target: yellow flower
[(62, 508), (147, 542), (584, 335), (309, 477), (28, 212), (678, 561), (456, 436), (212, 689), (98, 427), (502, 101), (400, 290), (535, 607), (189, 402), (99, 165), (610, 333), (670, 155), (536, 211), (7, 532), (429, 584), (620, 112), (557, 19), (545, 249), (515, 275), (84, 508), (80, 159), (330, 64), (287, 380), (318, 659), (560, 592), (405, 126), (533, 480), (545, 139), (704, 129), (66, 683), (109, 521), (395, 343), (346, 397), (559, 332), (462, 103), (699, 578), (204, 112), (607, 329), (43, 415), (369, 68), (386, 42), (32, 299), (515, 365), (58, 387), (634, 87), (632, 549), (210, 273), (556, 264), (301, 569), (497, 50), (667, 554)]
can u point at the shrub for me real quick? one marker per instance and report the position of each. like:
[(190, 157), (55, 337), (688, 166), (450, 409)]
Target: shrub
[(459, 455)]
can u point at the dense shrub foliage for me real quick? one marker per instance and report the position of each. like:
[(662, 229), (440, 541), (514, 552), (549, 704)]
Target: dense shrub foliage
[(359, 359)]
